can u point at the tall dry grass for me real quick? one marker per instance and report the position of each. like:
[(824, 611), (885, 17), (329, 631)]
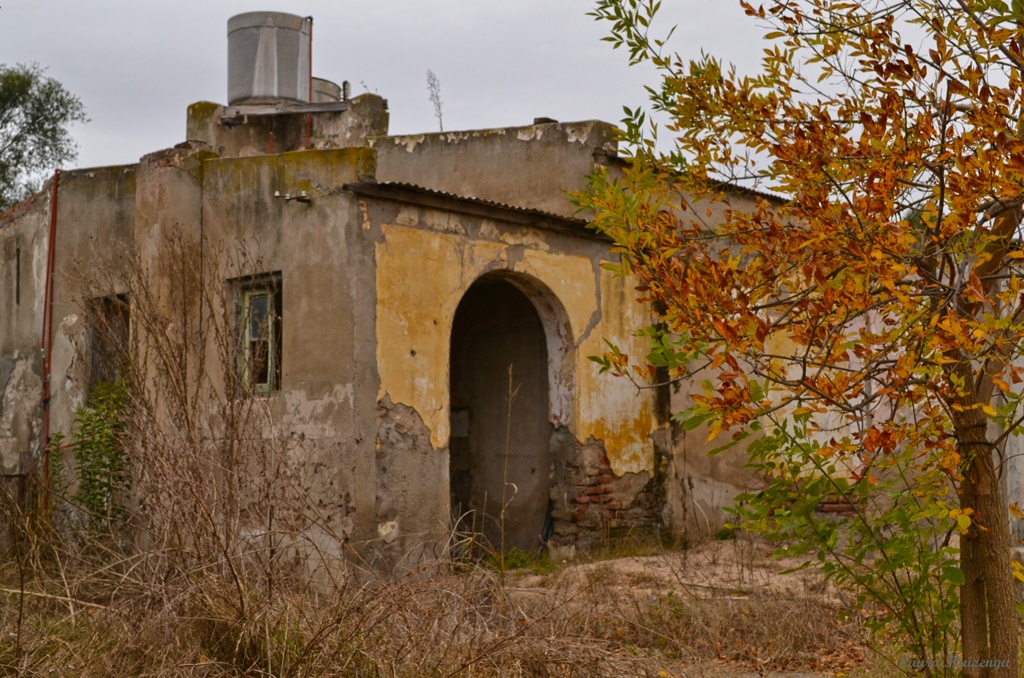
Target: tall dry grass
[(109, 617), (225, 566)]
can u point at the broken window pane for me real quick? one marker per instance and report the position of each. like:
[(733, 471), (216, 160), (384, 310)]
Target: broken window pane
[(260, 320)]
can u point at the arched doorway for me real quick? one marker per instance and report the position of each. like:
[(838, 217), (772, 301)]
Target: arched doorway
[(500, 463)]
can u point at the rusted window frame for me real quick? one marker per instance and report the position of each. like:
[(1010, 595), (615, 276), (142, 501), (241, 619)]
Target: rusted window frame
[(247, 290)]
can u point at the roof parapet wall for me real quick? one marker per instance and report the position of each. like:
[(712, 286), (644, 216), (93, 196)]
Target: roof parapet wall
[(531, 167)]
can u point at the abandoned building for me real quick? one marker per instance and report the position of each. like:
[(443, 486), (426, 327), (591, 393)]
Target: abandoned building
[(398, 279)]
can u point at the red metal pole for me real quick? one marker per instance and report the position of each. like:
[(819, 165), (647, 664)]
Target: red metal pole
[(47, 340), (309, 116)]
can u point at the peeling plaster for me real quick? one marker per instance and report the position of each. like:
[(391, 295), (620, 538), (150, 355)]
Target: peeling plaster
[(414, 322), (629, 447), (39, 270), (576, 135), (411, 507), (618, 415), (408, 215), (67, 326), (489, 230), (315, 417), (595, 317), (571, 279), (19, 408), (530, 133), (72, 330), (410, 142), (445, 222)]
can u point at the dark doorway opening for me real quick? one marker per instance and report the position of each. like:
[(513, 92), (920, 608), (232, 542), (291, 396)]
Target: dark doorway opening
[(500, 462)]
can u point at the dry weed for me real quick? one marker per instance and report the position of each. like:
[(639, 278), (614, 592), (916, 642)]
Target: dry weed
[(218, 572), (602, 619)]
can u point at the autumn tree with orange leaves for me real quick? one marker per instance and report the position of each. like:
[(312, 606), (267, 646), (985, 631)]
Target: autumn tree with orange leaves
[(870, 322)]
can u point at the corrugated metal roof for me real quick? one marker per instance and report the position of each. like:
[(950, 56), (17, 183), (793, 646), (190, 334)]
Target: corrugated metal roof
[(430, 197), (745, 190), (398, 185)]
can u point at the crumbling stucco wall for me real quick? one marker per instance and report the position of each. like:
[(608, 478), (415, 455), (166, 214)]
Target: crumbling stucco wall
[(24, 235), (325, 406), (366, 117), (427, 259), (371, 285), (531, 166), (414, 321), (94, 213)]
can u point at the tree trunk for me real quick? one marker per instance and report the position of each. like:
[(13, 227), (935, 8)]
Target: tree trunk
[(988, 614)]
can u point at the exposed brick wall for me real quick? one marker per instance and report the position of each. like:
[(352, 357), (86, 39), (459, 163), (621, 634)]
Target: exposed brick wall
[(596, 504)]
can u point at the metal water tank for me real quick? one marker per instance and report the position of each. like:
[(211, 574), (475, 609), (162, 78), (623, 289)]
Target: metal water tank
[(268, 58), (325, 91)]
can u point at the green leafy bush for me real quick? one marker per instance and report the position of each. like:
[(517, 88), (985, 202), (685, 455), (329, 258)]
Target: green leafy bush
[(99, 456)]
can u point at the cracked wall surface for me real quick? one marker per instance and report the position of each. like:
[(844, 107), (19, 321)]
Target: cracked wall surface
[(414, 321), (531, 166), (24, 237), (20, 410), (414, 334), (371, 286)]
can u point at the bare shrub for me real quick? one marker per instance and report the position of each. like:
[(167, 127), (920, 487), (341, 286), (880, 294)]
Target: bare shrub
[(224, 566)]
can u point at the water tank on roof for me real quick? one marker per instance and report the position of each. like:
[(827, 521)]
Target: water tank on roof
[(268, 58), (325, 91)]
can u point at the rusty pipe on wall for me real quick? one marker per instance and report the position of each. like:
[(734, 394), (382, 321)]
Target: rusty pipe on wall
[(309, 116), (47, 339)]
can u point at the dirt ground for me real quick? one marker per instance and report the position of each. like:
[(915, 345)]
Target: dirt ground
[(734, 609), (723, 609)]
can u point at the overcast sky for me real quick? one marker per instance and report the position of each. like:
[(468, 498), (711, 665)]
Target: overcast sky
[(137, 64)]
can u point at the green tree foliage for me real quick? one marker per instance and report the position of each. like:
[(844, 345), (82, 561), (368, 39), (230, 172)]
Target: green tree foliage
[(35, 114), (870, 322)]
